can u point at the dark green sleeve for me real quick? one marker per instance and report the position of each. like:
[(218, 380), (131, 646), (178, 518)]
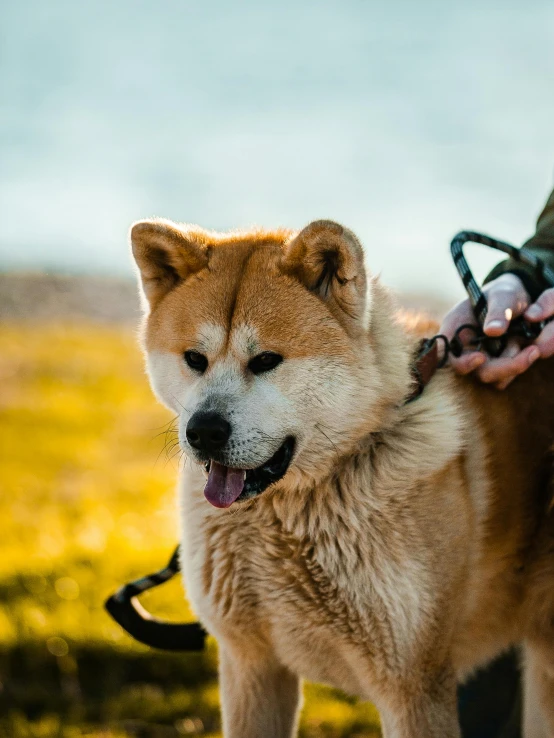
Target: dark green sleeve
[(541, 244)]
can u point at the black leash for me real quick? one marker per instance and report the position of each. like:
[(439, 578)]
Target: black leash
[(518, 328), (125, 608)]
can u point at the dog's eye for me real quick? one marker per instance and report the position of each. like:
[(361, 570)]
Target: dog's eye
[(264, 362), (196, 361)]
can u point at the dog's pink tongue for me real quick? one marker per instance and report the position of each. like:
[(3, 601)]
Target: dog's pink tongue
[(224, 485)]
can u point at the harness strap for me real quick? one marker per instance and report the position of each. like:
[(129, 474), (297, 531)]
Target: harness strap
[(424, 368)]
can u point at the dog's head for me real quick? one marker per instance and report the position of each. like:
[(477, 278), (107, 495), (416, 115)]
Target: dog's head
[(264, 345)]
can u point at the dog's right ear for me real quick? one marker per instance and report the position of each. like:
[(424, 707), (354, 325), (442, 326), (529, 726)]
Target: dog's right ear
[(328, 260), (166, 254)]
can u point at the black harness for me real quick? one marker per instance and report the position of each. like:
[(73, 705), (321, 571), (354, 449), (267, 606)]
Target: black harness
[(124, 606)]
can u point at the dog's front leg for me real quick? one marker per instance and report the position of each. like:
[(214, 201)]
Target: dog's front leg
[(423, 712), (538, 702), (259, 697)]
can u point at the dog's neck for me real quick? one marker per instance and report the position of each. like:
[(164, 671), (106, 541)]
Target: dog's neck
[(381, 474), (400, 444), (393, 346)]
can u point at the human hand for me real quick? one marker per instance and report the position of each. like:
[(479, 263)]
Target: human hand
[(507, 299)]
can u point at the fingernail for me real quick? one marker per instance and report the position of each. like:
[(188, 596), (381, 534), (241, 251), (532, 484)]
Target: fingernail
[(495, 324), (533, 355), (534, 311)]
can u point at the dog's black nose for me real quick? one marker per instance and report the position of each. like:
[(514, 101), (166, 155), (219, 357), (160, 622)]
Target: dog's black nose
[(208, 432)]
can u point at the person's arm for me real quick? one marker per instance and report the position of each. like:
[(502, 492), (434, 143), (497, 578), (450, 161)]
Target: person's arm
[(542, 245), (512, 289)]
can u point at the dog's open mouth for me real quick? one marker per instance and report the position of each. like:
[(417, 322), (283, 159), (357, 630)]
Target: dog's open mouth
[(226, 485)]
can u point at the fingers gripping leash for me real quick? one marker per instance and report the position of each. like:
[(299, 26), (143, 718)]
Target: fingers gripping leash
[(519, 327), (428, 356), (427, 360)]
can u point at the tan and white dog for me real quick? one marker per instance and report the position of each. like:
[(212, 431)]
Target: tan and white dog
[(342, 535)]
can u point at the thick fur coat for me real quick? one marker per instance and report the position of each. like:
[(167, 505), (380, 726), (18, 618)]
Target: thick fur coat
[(405, 545)]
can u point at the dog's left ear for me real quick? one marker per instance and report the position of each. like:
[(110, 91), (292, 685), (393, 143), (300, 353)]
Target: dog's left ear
[(328, 259)]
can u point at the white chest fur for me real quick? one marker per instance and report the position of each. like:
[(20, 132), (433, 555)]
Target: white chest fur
[(339, 600)]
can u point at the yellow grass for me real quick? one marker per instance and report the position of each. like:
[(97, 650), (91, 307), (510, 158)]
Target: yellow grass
[(87, 502)]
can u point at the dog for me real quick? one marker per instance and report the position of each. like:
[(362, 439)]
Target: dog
[(332, 530)]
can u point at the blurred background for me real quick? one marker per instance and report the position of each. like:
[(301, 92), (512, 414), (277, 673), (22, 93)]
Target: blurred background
[(407, 121)]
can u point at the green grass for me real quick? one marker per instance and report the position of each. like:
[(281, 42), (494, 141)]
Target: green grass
[(87, 502)]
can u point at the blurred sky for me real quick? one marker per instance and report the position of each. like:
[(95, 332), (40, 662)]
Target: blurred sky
[(407, 121)]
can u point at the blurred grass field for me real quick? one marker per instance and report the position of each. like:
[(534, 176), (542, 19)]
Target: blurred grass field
[(87, 502)]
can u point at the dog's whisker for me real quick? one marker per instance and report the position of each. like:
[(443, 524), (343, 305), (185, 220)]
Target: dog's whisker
[(180, 404), (316, 426), (177, 453), (169, 423), (165, 433)]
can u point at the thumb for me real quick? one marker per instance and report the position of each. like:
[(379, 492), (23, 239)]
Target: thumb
[(505, 302)]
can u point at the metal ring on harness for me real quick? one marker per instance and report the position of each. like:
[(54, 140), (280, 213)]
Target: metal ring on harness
[(519, 326), (126, 610)]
